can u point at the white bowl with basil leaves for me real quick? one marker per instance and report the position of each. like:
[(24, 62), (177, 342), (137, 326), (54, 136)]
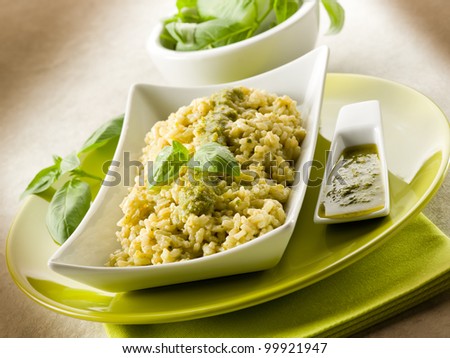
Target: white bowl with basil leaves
[(83, 256), (215, 41)]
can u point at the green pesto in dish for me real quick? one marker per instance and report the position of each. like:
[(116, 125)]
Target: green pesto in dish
[(226, 109), (354, 186), (197, 199)]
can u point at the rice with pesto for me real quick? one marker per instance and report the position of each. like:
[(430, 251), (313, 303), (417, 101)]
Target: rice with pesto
[(189, 219)]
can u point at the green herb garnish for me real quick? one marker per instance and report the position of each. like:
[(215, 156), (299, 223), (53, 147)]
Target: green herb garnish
[(209, 158), (168, 163), (204, 24), (107, 132), (67, 208), (70, 202), (215, 158), (284, 9)]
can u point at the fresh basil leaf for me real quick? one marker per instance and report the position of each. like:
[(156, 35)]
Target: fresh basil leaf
[(167, 39), (244, 12), (67, 208), (189, 14), (70, 163), (186, 3), (168, 164), (264, 8), (209, 34), (336, 13), (284, 9), (57, 159), (221, 32), (43, 180), (184, 35), (108, 131), (215, 158)]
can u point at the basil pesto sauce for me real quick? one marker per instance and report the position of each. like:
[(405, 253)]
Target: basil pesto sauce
[(226, 109), (354, 186)]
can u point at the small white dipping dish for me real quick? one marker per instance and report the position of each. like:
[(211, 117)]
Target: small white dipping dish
[(265, 51), (355, 184), (83, 256)]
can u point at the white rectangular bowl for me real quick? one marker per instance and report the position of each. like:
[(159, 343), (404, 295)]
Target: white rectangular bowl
[(83, 256)]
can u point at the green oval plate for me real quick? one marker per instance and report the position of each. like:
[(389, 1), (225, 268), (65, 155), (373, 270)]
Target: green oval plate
[(417, 139)]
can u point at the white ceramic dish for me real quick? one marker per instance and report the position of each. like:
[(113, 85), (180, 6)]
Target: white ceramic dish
[(84, 254), (358, 124), (263, 52)]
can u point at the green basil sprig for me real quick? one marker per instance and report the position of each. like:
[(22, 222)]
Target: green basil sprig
[(70, 202), (168, 163), (215, 158), (209, 158)]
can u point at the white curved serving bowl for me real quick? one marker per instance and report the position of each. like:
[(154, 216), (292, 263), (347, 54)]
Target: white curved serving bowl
[(83, 256), (263, 52)]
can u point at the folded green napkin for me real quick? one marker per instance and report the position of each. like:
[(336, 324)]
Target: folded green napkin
[(408, 269)]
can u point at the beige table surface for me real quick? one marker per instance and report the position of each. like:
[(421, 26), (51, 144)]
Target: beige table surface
[(66, 67)]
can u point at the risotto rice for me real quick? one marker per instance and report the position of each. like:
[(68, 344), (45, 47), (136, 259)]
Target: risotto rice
[(188, 219)]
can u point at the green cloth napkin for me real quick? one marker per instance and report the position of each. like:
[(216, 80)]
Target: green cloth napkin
[(409, 268)]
